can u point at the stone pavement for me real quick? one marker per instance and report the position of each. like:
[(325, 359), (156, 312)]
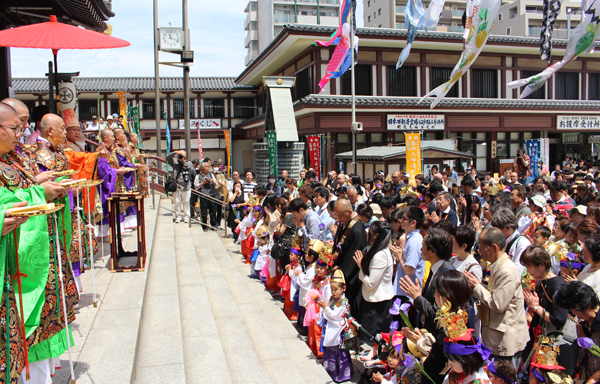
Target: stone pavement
[(193, 316)]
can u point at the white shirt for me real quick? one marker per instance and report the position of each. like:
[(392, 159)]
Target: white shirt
[(517, 249), (463, 265), (377, 286), (93, 126), (590, 278)]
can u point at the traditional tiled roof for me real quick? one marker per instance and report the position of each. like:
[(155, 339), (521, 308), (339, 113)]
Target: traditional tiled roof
[(395, 33), (448, 102), (131, 84), (382, 153), (433, 35)]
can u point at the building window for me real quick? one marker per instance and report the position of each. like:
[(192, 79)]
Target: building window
[(214, 108), (508, 31), (178, 109), (441, 75), (379, 11), (369, 18), (363, 81), (148, 109), (87, 109), (402, 82), (243, 107), (567, 85), (303, 83), (368, 3), (500, 16), (540, 93), (485, 83), (594, 86), (114, 107)]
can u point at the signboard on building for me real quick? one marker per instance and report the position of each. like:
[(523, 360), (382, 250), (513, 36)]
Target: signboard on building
[(415, 122), (578, 122), (202, 123), (533, 150)]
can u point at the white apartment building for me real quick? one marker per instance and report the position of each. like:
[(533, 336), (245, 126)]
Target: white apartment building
[(390, 14), (266, 18), (524, 18)]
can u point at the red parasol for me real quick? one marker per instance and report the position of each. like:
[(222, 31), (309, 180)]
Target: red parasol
[(54, 35)]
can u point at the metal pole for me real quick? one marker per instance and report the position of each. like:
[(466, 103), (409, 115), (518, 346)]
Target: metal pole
[(157, 83), (186, 87), (568, 23), (353, 90)]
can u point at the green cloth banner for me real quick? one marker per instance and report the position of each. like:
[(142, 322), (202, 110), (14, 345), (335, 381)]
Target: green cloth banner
[(272, 146)]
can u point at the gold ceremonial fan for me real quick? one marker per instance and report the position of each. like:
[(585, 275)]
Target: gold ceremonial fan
[(69, 172), (92, 183), (75, 183), (34, 210)]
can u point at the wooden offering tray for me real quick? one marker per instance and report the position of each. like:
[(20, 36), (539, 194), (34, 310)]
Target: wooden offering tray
[(69, 172), (34, 210)]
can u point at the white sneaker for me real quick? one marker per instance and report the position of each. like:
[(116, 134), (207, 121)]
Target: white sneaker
[(178, 220)]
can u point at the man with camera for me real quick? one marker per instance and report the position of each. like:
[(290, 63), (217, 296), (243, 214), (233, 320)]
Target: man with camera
[(521, 166), (205, 183), (184, 173)]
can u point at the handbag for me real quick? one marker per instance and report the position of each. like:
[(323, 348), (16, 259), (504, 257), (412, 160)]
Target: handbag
[(568, 331), (279, 251)]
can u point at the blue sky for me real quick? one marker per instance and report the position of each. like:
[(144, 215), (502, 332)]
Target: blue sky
[(217, 39)]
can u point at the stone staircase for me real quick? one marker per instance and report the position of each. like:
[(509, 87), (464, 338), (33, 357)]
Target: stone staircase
[(205, 320)]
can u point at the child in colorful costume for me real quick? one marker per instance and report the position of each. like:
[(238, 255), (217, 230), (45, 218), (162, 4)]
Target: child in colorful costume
[(304, 281), (338, 335), (288, 283)]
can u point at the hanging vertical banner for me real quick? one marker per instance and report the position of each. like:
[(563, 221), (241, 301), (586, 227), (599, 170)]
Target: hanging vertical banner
[(123, 107), (228, 148), (314, 153), (135, 119), (413, 155), (168, 134), (199, 141), (533, 150), (545, 152), (271, 137)]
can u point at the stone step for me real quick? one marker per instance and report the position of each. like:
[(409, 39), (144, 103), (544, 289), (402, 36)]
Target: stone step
[(160, 356), (243, 360), (284, 354), (204, 358)]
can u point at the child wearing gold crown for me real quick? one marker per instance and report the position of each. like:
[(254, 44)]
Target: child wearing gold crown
[(318, 289), (544, 366), (466, 354), (337, 334), (304, 281), (262, 253)]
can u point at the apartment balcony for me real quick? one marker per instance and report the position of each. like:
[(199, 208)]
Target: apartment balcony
[(449, 14), (252, 16), (302, 19), (252, 36), (329, 20), (557, 33), (300, 2), (400, 9), (448, 28), (329, 2), (251, 55), (400, 25), (286, 19)]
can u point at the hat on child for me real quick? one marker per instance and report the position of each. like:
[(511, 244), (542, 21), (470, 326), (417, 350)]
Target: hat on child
[(455, 327)]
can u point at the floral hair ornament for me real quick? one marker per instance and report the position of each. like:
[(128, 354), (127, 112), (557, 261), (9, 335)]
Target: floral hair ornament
[(492, 368), (546, 354), (527, 281), (326, 257), (455, 327)]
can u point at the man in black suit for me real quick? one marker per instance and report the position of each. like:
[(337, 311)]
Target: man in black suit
[(437, 249), (442, 201), (352, 232)]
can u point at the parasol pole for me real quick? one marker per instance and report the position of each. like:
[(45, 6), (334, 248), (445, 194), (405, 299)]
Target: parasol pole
[(98, 191), (64, 301), (18, 277), (55, 53), (78, 209), (91, 249)]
